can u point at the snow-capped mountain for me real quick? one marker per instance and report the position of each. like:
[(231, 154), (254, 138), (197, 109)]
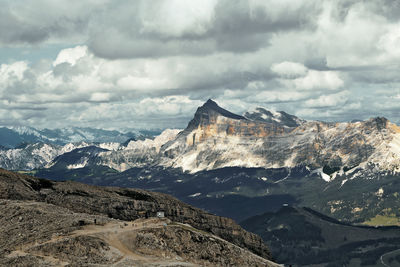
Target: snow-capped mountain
[(42, 155), (33, 156), (216, 138), (12, 136), (279, 117), (138, 153)]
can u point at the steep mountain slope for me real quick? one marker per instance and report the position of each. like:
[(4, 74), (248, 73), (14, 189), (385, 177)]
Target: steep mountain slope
[(39, 155), (77, 158), (123, 204), (137, 153), (302, 236), (213, 140)]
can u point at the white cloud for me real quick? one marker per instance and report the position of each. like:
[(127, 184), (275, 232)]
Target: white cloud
[(332, 100), (12, 73), (71, 55), (296, 75), (170, 105), (177, 17), (289, 69), (352, 41), (162, 59), (100, 97), (319, 80), (390, 43)]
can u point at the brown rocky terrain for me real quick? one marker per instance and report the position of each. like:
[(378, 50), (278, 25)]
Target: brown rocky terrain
[(45, 223)]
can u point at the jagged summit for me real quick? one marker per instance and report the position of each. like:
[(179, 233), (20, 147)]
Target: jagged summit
[(210, 110), (212, 105), (208, 113)]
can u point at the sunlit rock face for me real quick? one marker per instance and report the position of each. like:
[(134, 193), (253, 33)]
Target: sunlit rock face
[(217, 138), (212, 121)]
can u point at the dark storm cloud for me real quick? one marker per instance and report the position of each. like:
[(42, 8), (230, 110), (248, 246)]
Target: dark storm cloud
[(14, 31), (239, 27), (388, 8), (234, 26), (21, 24)]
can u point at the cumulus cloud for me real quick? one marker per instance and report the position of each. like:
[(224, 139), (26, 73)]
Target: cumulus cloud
[(296, 75), (319, 80), (130, 64), (70, 55), (333, 100), (289, 69)]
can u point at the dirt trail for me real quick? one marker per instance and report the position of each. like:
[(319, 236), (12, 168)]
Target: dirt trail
[(114, 234), (111, 233)]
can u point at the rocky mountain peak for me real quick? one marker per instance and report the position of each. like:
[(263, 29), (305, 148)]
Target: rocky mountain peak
[(208, 113), (378, 122), (210, 103), (212, 107)]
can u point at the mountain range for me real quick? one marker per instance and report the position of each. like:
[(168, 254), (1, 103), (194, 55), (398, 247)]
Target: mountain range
[(19, 136), (262, 158)]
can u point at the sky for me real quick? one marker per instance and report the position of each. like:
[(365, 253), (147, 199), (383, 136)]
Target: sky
[(118, 64)]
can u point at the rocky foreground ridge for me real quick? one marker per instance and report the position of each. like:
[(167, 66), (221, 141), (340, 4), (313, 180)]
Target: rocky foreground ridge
[(43, 223)]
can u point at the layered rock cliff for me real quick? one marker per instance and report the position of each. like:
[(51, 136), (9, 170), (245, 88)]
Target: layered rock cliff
[(210, 121), (216, 138)]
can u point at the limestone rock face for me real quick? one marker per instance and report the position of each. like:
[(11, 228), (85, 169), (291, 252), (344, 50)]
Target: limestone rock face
[(216, 138), (210, 120), (125, 204)]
